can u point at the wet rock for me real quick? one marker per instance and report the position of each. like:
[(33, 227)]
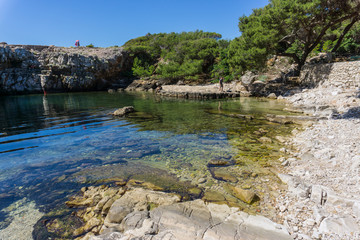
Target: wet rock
[(195, 192), (265, 140), (201, 180), (279, 119), (244, 195), (117, 212), (129, 218), (242, 116), (148, 185), (123, 111), (79, 202), (219, 162), (213, 196), (223, 175)]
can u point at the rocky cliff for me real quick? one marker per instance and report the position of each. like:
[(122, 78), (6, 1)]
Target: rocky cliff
[(33, 69)]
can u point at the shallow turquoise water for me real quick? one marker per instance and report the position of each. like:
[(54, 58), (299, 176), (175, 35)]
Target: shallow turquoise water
[(51, 145)]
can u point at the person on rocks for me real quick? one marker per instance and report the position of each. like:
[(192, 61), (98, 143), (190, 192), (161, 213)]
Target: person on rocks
[(77, 43), (221, 85)]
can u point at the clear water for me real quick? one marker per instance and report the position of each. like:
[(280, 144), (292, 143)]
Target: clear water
[(52, 145)]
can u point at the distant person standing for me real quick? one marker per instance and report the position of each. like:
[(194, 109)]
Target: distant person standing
[(77, 43), (221, 84)]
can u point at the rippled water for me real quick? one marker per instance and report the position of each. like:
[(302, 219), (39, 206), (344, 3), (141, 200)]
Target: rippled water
[(52, 145)]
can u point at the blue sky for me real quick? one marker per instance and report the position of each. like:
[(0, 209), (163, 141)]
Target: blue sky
[(109, 22)]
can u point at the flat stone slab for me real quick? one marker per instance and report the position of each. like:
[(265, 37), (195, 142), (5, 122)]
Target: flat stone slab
[(199, 220), (198, 92)]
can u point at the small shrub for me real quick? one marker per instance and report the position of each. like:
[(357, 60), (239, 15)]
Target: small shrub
[(262, 78), (90, 45)]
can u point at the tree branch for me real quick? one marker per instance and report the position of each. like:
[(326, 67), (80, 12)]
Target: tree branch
[(346, 30)]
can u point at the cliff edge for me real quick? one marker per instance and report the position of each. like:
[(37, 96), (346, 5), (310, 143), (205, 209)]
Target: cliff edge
[(34, 69)]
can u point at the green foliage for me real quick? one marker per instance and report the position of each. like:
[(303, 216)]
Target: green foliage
[(186, 55), (351, 42), (289, 28), (90, 45), (262, 78), (142, 69), (292, 28)]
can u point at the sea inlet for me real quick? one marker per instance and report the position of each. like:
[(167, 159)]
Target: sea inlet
[(52, 146)]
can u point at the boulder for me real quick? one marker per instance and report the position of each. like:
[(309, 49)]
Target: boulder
[(123, 111), (244, 195), (339, 225), (256, 88), (265, 140), (134, 220), (117, 212), (248, 78), (223, 175), (272, 96), (212, 196)]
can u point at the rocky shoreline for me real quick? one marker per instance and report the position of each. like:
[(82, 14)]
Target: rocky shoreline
[(135, 213), (322, 201)]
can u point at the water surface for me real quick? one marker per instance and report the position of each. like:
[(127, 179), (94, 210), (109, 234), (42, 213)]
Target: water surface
[(52, 145)]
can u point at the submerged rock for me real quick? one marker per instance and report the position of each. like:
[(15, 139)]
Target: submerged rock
[(265, 140), (213, 196), (223, 175), (219, 162), (144, 184)]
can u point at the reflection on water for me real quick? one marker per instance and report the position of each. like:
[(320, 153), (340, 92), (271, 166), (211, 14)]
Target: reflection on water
[(52, 145)]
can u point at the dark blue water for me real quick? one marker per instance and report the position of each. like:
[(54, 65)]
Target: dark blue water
[(52, 145)]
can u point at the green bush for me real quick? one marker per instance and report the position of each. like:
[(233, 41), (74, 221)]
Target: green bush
[(141, 69), (176, 55)]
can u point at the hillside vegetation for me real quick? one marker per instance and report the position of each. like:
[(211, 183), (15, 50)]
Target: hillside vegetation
[(294, 29)]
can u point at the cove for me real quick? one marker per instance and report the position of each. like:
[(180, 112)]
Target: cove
[(51, 146)]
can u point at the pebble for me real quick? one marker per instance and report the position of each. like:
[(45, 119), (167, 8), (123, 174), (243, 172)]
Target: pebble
[(201, 180), (283, 208), (310, 222)]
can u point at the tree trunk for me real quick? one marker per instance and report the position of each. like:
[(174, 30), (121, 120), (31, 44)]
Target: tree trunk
[(346, 30)]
